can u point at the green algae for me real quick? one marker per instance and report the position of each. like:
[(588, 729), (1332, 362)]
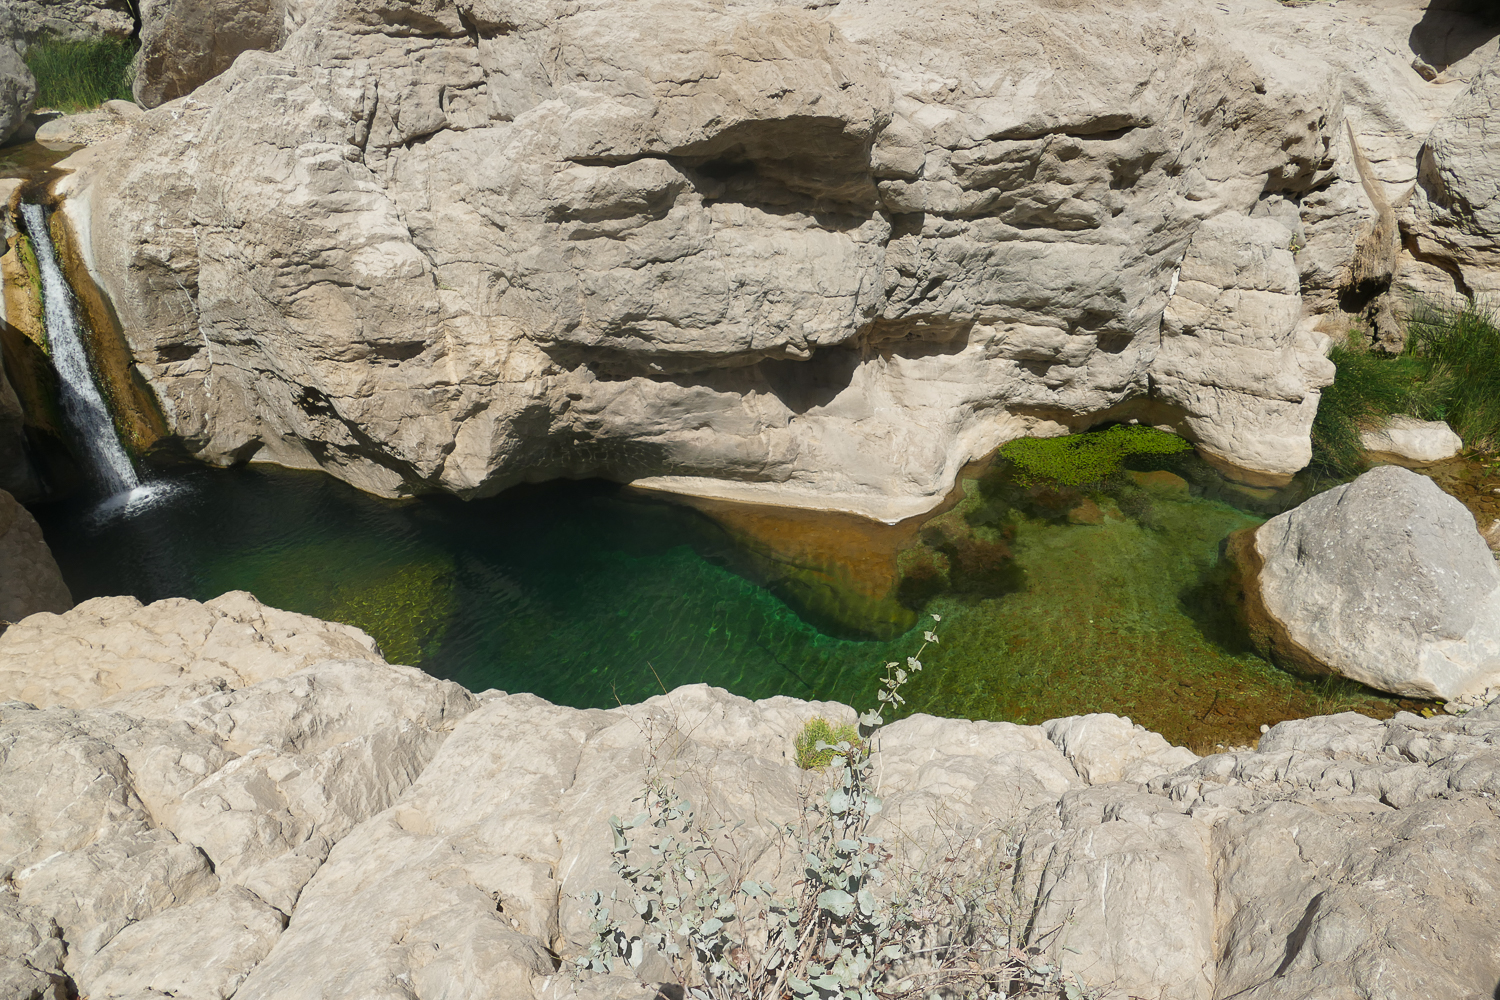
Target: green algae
[(1081, 459), (1126, 615)]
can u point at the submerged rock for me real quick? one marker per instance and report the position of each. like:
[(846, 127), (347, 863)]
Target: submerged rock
[(1385, 580), (29, 578), (348, 829)]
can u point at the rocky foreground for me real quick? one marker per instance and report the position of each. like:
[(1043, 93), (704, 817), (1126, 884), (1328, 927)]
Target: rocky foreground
[(223, 799)]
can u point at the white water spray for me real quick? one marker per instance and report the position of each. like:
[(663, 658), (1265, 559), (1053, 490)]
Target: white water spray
[(82, 404)]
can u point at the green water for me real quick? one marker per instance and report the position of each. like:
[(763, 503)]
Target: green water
[(590, 595), (577, 592)]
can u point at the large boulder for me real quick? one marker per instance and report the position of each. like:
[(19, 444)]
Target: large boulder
[(30, 581), (17, 85), (1454, 218), (820, 256), (185, 43), (1384, 580)]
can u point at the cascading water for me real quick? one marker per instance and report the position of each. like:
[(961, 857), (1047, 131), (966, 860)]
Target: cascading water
[(83, 407)]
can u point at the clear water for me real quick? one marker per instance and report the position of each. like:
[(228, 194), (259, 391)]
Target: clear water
[(574, 591), (592, 595)]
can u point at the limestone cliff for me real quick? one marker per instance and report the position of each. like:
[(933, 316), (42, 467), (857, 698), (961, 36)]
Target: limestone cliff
[(820, 254)]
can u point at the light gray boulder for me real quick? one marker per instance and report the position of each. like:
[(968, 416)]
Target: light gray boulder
[(1384, 580), (1409, 440), (162, 842), (814, 256), (71, 18), (30, 581), (1455, 207), (232, 639)]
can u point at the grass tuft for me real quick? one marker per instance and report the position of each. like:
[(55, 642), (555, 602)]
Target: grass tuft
[(809, 757), (80, 74), (1366, 389), (1449, 371), (1461, 350)]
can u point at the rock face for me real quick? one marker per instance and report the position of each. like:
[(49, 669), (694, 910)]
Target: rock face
[(17, 85), (113, 645), (1455, 207), (29, 578), (185, 43), (72, 18), (815, 256), (1408, 440), (1385, 580), (352, 829)]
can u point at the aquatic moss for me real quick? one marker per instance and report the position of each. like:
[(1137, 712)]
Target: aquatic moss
[(1083, 459), (27, 253), (820, 730), (1118, 617), (77, 74)]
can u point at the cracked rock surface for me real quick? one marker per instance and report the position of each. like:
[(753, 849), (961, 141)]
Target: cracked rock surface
[(818, 255), (347, 828)]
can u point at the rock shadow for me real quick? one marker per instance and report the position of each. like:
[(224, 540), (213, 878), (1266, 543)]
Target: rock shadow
[(1452, 29)]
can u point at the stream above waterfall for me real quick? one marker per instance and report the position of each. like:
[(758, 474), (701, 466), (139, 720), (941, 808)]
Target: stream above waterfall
[(591, 594)]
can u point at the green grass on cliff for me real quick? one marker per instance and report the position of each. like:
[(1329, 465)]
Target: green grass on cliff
[(80, 74), (1367, 387), (1460, 348), (1450, 370)]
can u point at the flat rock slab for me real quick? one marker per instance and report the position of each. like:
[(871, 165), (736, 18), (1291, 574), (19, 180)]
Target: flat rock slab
[(1407, 440)]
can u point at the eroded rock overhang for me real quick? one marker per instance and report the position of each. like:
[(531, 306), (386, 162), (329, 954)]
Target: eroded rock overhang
[(818, 257)]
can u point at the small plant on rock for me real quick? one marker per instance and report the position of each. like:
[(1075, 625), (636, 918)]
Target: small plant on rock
[(847, 924), (817, 744)]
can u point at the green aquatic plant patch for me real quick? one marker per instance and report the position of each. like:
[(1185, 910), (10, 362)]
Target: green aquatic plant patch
[(405, 602), (77, 74), (1122, 617), (1083, 459)]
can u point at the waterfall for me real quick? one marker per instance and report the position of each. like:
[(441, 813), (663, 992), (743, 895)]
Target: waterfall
[(83, 407)]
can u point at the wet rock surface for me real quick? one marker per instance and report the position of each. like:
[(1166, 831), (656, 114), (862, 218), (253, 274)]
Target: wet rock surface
[(1406, 440), (822, 257), (349, 829)]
